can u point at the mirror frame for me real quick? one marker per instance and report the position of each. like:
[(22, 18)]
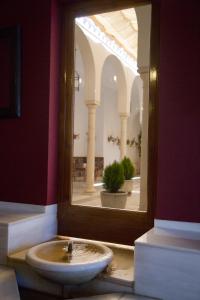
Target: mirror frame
[(119, 226)]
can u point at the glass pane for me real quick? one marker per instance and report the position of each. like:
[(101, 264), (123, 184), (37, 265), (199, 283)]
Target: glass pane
[(111, 96)]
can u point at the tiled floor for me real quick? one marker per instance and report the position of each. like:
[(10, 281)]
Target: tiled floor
[(8, 284), (82, 198)]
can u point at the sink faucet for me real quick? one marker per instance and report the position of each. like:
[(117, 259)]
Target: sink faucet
[(69, 247)]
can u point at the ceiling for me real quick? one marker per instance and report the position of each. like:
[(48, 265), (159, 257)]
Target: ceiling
[(120, 26)]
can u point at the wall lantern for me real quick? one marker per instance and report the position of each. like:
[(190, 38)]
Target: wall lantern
[(77, 81), (153, 74)]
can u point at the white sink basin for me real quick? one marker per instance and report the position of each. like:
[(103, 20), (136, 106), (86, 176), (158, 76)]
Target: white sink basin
[(87, 260)]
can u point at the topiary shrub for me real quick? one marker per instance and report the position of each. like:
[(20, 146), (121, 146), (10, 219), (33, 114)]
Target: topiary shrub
[(113, 177), (128, 167)]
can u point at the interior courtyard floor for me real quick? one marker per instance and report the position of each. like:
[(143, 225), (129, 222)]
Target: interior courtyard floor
[(80, 197)]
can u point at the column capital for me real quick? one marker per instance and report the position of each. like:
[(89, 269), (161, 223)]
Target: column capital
[(144, 72), (124, 115), (92, 103), (143, 69)]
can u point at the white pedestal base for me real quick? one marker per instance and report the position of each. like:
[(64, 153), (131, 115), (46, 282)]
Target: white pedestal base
[(167, 264)]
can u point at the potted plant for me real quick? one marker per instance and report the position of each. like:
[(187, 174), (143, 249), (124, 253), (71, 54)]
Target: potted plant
[(113, 179), (129, 172)]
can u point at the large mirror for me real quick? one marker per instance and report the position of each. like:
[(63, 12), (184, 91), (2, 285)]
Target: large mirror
[(111, 108)]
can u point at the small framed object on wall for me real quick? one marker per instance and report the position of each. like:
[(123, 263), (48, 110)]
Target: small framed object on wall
[(10, 72)]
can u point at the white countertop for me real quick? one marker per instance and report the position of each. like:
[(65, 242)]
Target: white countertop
[(13, 217), (171, 239)]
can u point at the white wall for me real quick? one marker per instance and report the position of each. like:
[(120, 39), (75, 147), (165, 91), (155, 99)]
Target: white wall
[(134, 120), (111, 125), (143, 13), (107, 114), (80, 112), (109, 100)]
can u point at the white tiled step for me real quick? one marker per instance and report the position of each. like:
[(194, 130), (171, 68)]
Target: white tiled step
[(167, 264), (8, 284), (116, 296), (25, 228)]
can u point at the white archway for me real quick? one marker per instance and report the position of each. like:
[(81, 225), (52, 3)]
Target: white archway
[(95, 58), (89, 64), (90, 100), (113, 79), (109, 110), (121, 82)]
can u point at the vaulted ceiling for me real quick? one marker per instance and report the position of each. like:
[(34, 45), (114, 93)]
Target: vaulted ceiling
[(122, 27)]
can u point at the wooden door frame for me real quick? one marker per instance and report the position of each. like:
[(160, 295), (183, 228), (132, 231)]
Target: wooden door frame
[(104, 224)]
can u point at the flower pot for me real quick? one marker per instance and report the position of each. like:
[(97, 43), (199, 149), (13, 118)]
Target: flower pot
[(127, 186), (114, 200)]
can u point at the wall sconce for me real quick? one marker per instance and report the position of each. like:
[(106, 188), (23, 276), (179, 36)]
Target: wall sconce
[(153, 74), (77, 81), (76, 136), (114, 140)]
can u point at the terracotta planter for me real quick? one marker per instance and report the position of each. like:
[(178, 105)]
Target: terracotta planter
[(128, 186), (114, 200)]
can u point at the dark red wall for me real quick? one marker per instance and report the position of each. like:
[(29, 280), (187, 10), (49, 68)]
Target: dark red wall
[(28, 165), (179, 119), (25, 162), (53, 103)]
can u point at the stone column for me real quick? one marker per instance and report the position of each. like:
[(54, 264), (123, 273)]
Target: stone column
[(144, 73), (90, 168), (123, 137)]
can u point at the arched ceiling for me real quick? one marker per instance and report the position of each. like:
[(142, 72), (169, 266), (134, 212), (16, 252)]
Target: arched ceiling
[(122, 27)]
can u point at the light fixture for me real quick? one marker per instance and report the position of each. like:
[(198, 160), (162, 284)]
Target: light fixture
[(115, 78), (77, 81), (77, 78), (153, 74)]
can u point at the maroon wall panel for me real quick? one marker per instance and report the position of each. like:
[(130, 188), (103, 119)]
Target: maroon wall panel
[(53, 104), (28, 144), (179, 118), (24, 141)]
